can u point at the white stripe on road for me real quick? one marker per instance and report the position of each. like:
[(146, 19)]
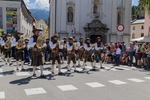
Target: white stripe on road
[(22, 74), (2, 95), (95, 84), (1, 73), (117, 82), (136, 80), (45, 72), (34, 91), (147, 78), (67, 87)]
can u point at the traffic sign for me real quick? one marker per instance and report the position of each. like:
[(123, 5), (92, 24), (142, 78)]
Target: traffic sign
[(120, 28)]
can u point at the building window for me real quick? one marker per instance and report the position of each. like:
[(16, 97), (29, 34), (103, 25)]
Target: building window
[(142, 27), (133, 36), (70, 14), (142, 34), (119, 17), (133, 28)]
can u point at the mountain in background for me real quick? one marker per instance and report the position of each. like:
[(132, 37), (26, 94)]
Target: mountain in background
[(40, 14)]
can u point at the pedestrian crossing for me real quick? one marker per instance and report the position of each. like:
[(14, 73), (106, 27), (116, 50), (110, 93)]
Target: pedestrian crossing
[(71, 87)]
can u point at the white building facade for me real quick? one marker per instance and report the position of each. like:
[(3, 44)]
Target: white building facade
[(91, 18), (14, 16)]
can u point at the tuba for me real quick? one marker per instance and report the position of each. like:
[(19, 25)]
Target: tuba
[(8, 43), (20, 44), (40, 42)]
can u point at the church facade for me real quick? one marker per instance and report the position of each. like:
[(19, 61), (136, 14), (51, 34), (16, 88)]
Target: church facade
[(91, 18)]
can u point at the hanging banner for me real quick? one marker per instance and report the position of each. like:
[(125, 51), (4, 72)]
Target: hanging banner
[(11, 19)]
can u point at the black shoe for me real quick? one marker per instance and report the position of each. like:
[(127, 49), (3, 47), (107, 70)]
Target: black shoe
[(76, 71), (23, 69), (17, 69), (60, 73), (102, 67), (53, 73), (34, 75), (10, 64), (68, 71), (42, 76)]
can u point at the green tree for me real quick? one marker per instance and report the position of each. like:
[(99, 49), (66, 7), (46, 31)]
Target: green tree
[(145, 4)]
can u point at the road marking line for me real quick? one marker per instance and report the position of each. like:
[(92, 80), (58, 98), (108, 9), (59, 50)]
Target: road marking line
[(136, 80), (22, 74), (67, 87), (1, 73), (147, 78), (95, 84), (34, 91), (2, 95), (117, 82)]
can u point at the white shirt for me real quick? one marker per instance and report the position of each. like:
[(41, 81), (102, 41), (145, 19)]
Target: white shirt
[(14, 42), (96, 47), (2, 42), (53, 45), (69, 48), (118, 51), (31, 42), (87, 48), (136, 48)]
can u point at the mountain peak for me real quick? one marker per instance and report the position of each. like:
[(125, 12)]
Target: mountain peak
[(40, 13)]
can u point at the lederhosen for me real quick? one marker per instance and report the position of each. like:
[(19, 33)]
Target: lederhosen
[(20, 54), (47, 52), (80, 51), (98, 52), (37, 56), (34, 40), (7, 52), (55, 55), (64, 50), (88, 54), (71, 55)]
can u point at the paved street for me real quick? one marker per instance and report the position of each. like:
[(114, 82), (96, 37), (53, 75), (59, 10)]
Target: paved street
[(118, 83)]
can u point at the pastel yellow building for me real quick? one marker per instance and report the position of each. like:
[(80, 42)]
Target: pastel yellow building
[(43, 26), (137, 29)]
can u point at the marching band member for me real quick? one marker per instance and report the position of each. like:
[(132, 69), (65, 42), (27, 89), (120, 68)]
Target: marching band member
[(80, 50), (3, 39), (88, 53), (55, 46), (20, 53), (98, 51), (64, 50), (7, 49), (27, 51), (36, 43), (71, 48), (47, 51), (37, 55), (33, 39), (14, 42)]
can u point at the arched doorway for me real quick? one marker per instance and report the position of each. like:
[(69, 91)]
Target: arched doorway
[(93, 38), (96, 28)]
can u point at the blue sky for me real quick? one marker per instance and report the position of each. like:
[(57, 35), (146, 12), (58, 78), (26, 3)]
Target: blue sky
[(44, 4), (135, 2), (37, 4)]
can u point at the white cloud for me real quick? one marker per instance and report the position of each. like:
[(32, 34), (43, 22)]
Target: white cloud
[(37, 4)]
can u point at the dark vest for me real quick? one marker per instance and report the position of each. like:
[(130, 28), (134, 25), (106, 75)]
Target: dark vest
[(17, 39), (35, 38)]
